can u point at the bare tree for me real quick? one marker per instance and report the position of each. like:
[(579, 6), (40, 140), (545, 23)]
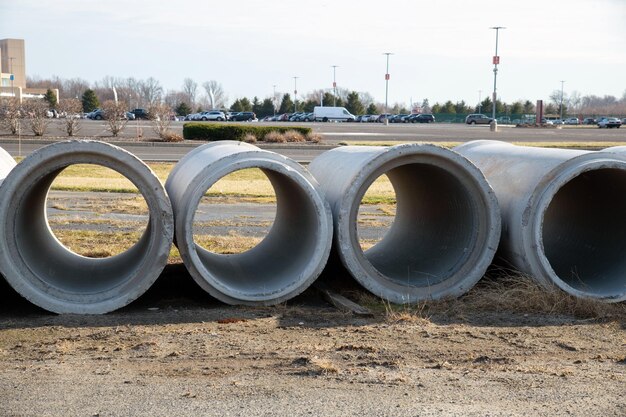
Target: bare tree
[(190, 88), (10, 114), (215, 93), (71, 109), (150, 91), (36, 111), (73, 88), (162, 119), (115, 115)]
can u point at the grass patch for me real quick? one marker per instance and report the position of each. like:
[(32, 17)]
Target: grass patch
[(227, 244)]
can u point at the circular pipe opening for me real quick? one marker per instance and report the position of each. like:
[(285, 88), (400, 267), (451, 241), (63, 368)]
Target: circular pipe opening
[(584, 233), (287, 259), (377, 212), (435, 229), (236, 213), (95, 211)]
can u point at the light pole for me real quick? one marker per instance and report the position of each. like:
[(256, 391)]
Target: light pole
[(274, 99), (387, 84), (496, 61), (562, 82), (12, 75), (480, 98), (334, 85), (295, 93)]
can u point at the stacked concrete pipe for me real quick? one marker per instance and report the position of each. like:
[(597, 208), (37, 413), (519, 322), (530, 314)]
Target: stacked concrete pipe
[(50, 275), (446, 228), (287, 260), (562, 214)]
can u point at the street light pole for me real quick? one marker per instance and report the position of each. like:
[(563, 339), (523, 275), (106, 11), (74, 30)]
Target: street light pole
[(295, 93), (496, 61), (562, 82), (334, 85), (387, 85), (479, 100), (274, 99)]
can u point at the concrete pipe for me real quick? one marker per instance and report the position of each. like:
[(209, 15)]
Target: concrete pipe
[(562, 214), (287, 260), (50, 275), (445, 231), (7, 163)]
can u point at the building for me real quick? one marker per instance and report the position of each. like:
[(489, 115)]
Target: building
[(13, 71)]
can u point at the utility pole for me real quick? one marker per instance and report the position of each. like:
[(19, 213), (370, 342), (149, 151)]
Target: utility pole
[(496, 61), (387, 85), (295, 93), (274, 99), (334, 85)]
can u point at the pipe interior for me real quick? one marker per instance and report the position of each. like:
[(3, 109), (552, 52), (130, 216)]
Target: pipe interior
[(584, 232), (435, 227), (58, 267), (276, 263)]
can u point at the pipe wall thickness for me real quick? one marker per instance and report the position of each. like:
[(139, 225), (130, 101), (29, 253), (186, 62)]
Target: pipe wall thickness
[(50, 275), (562, 214), (287, 260), (445, 231)]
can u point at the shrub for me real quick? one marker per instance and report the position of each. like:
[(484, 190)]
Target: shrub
[(170, 136), (313, 137), (274, 137), (37, 113), (223, 131), (249, 138), (293, 136)]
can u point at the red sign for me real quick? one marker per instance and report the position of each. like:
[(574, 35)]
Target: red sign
[(334, 85), (387, 77), (496, 60)]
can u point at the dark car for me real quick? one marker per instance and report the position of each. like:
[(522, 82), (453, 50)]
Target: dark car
[(140, 114), (420, 118), (397, 118), (589, 121), (244, 116), (478, 119)]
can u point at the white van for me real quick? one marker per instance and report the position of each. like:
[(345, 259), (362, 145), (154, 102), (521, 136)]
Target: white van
[(326, 114)]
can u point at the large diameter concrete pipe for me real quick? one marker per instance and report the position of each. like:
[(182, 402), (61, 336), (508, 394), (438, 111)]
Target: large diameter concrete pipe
[(562, 214), (292, 254), (447, 224), (50, 275)]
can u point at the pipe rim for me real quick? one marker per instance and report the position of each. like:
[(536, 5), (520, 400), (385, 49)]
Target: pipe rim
[(475, 264), (24, 273), (534, 215), (263, 160)]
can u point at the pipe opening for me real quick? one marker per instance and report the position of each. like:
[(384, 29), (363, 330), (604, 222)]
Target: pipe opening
[(377, 212), (65, 271), (274, 264), (435, 227), (100, 216), (584, 232)]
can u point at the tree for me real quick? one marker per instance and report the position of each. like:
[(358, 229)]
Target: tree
[(448, 107), (256, 105), (245, 104), (90, 101), (190, 88), (37, 113), (115, 114), (372, 109), (436, 108), (215, 93), (528, 107), (354, 104), (517, 108), (50, 98), (266, 109), (150, 91), (286, 105), (71, 107), (182, 109), (10, 114), (161, 117), (426, 106)]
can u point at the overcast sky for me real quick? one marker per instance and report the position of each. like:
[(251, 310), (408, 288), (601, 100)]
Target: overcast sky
[(442, 49)]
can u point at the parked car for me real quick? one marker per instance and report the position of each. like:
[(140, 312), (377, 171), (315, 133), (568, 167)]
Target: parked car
[(397, 118), (381, 118), (373, 118), (244, 116), (547, 122), (141, 113), (129, 116), (477, 119), (309, 117), (590, 121), (420, 118), (504, 120), (572, 121), (609, 122), (212, 115), (97, 114)]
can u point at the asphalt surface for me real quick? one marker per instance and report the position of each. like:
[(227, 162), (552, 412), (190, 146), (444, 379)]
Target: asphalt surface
[(138, 137)]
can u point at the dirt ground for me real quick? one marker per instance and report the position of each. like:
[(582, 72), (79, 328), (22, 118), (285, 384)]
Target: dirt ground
[(506, 348), (177, 351)]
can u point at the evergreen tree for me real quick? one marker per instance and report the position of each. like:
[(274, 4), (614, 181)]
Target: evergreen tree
[(529, 107), (182, 109), (354, 104), (371, 109), (517, 108), (448, 107), (286, 105), (50, 98), (256, 105), (309, 106), (436, 108), (266, 108), (237, 106), (245, 104), (90, 101), (426, 107)]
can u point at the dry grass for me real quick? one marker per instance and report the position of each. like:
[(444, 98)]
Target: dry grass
[(324, 366), (121, 204), (231, 244), (274, 137), (249, 138), (313, 137), (97, 244), (294, 136)]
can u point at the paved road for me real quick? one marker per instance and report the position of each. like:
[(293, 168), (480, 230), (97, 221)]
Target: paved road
[(333, 134)]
